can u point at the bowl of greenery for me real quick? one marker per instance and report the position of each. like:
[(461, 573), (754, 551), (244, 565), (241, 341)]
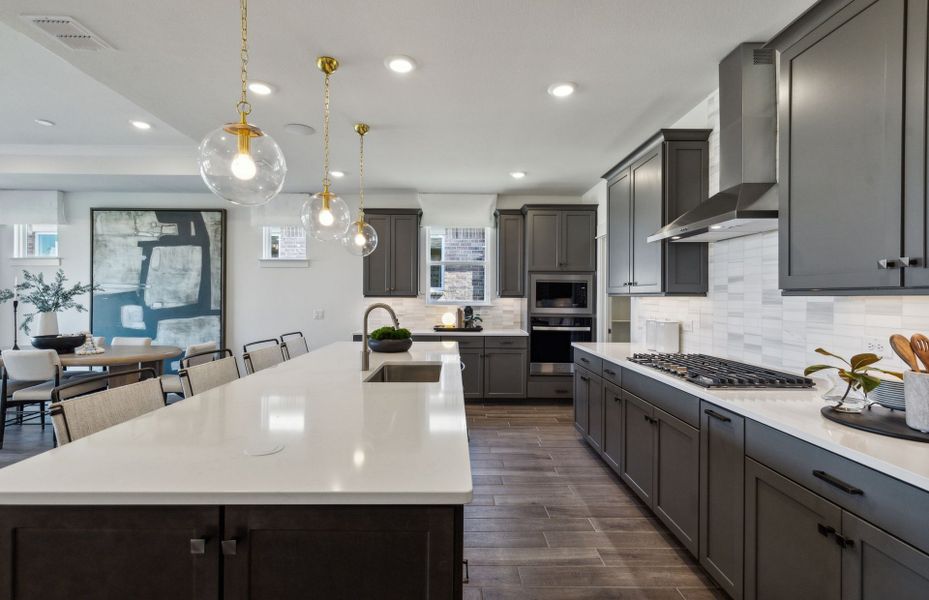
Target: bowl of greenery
[(390, 339)]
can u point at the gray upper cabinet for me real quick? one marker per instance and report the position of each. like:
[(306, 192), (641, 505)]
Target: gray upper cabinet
[(511, 254), (665, 177), (561, 238), (852, 180), (393, 268)]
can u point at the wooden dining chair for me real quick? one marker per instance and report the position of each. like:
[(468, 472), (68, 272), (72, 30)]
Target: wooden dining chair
[(262, 355), (294, 344), (76, 416), (197, 377)]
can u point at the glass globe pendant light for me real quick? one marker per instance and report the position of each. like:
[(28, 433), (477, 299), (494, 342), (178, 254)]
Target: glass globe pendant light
[(238, 161), (360, 238), (325, 216)]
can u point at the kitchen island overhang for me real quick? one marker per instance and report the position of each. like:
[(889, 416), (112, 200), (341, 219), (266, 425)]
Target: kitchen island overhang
[(300, 477)]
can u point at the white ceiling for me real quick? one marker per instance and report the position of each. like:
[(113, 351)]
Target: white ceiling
[(476, 108)]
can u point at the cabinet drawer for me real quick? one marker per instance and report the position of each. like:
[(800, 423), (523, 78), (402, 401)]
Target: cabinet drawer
[(669, 399), (551, 387), (465, 341), (588, 361), (892, 505), (494, 341), (612, 373)]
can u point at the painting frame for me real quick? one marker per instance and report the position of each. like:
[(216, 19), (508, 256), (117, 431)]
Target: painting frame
[(180, 214)]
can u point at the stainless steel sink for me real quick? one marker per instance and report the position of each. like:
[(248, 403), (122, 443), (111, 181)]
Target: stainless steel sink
[(428, 373)]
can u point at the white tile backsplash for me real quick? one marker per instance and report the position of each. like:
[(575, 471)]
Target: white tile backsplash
[(745, 317), (416, 315)]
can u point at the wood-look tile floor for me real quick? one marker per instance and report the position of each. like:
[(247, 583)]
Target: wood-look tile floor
[(550, 521)]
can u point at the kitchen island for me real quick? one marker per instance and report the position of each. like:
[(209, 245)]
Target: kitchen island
[(303, 480)]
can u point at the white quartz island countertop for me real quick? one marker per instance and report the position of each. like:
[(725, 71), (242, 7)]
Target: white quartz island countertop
[(482, 333), (308, 431), (795, 412)]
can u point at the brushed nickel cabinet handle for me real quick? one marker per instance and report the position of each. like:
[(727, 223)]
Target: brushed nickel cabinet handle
[(228, 547), (198, 546)]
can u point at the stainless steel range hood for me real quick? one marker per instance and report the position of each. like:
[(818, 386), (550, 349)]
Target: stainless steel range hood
[(747, 202)]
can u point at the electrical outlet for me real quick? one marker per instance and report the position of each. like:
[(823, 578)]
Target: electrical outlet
[(876, 345), (687, 326), (319, 314)]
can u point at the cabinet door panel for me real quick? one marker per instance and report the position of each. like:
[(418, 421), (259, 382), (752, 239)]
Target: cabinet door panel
[(687, 183), (916, 206), (789, 552), (638, 446), (595, 412), (544, 239), (677, 478), (877, 565), (505, 373), (511, 276), (578, 251), (612, 424), (404, 240), (722, 496), (841, 166), (647, 216), (376, 269), (619, 213), (342, 552), (67, 552), (581, 399), (472, 375)]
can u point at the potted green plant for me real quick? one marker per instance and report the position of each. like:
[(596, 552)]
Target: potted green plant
[(48, 299), (858, 382), (390, 339), (5, 295)]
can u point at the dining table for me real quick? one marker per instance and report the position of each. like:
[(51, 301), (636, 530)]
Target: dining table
[(121, 358)]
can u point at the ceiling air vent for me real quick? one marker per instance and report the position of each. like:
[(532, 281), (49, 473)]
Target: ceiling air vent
[(69, 32)]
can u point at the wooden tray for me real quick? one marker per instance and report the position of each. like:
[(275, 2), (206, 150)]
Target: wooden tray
[(877, 419), (457, 329)]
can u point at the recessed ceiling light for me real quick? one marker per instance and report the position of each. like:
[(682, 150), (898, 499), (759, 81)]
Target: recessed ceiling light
[(517, 174), (716, 226), (337, 174), (561, 90), (299, 129), (44, 122), (400, 63), (141, 125), (675, 237), (261, 88)]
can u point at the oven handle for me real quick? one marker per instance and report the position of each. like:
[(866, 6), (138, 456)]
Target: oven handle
[(545, 328)]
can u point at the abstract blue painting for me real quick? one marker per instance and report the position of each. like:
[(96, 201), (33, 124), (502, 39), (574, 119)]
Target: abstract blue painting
[(161, 274)]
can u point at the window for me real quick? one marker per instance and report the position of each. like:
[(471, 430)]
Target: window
[(35, 241), (284, 243), (458, 265)]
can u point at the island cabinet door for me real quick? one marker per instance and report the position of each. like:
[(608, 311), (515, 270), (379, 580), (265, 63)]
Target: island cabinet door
[(875, 564), (342, 552), (70, 552)]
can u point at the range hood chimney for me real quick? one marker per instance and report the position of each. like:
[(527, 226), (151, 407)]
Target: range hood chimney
[(747, 202)]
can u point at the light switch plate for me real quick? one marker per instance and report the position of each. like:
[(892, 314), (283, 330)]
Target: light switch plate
[(319, 314)]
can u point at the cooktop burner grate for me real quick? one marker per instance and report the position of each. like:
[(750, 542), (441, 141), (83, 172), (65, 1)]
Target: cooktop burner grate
[(711, 372)]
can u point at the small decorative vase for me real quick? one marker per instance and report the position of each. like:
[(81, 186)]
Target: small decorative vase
[(916, 396), (46, 324), (390, 345), (844, 399)]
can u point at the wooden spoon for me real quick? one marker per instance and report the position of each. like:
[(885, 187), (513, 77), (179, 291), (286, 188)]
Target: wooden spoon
[(920, 345), (901, 346)]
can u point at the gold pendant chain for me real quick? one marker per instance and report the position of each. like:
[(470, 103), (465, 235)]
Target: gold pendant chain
[(244, 107), (326, 134), (361, 178)]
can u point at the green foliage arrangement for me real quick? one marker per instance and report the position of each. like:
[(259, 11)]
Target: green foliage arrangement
[(53, 296), (856, 375), (390, 333), (5, 295)]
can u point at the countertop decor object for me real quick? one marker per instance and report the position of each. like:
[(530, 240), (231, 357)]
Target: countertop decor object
[(456, 329), (902, 347), (855, 379), (877, 419), (62, 344), (48, 299), (325, 215), (920, 346), (390, 339), (916, 393), (239, 162)]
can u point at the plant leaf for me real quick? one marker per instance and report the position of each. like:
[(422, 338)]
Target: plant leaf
[(825, 352), (894, 373), (814, 368), (869, 382), (860, 361)]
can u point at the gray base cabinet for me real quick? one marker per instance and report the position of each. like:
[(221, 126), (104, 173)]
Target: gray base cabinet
[(582, 385), (664, 178), (505, 372), (638, 453), (472, 373), (722, 496), (677, 477), (612, 424), (875, 564)]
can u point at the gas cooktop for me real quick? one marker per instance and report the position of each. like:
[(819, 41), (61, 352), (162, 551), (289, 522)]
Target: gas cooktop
[(711, 372)]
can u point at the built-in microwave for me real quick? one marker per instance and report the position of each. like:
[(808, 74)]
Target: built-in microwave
[(561, 294)]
